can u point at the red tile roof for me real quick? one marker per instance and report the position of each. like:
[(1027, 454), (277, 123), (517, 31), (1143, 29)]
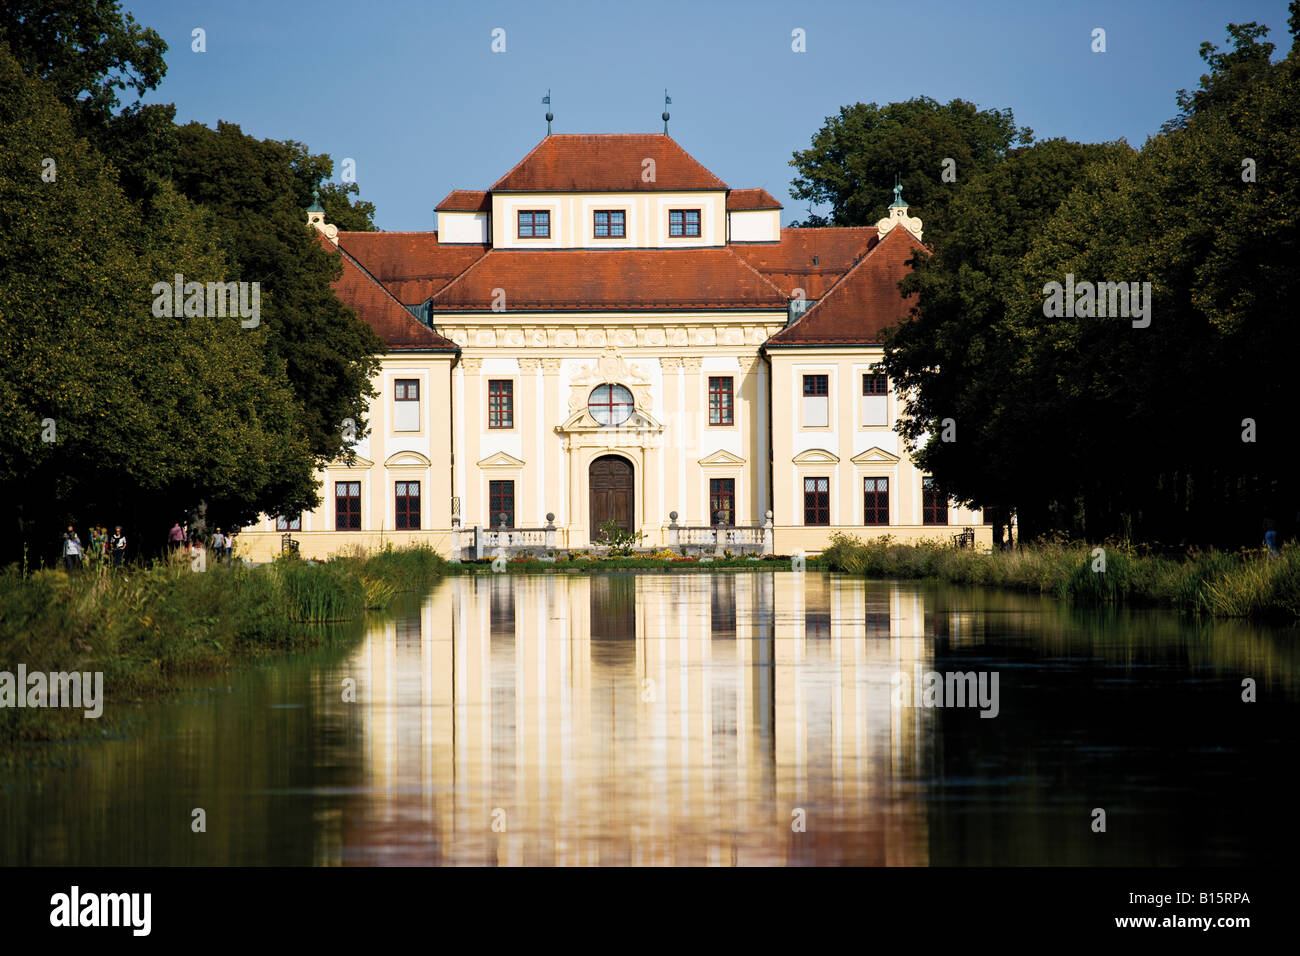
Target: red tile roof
[(465, 200), (863, 303), (606, 163), (743, 199), (789, 264), (411, 265), (377, 308), (568, 279)]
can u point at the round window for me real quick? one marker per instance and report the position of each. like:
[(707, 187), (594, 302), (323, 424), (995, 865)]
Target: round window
[(610, 404)]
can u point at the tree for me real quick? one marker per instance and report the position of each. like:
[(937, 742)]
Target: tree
[(957, 359), (108, 413), (258, 191), (1181, 430), (855, 155)]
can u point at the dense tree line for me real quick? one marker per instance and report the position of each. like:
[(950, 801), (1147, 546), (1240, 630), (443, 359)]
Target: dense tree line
[(1179, 427), (108, 413)]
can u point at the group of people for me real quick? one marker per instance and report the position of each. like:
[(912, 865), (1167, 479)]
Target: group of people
[(220, 544), (103, 547)]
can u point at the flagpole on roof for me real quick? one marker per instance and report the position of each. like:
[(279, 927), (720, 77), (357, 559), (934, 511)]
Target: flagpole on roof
[(667, 102)]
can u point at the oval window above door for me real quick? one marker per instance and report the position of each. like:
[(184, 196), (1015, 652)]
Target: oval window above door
[(610, 404)]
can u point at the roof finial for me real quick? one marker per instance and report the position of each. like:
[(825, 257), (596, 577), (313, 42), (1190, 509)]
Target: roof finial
[(315, 202), (668, 100), (546, 100), (898, 193)]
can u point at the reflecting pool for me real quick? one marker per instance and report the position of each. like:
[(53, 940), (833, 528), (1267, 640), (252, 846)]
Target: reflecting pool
[(729, 718)]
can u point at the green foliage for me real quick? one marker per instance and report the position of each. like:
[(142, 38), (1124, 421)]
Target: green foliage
[(854, 156), (256, 191), (147, 628), (320, 593), (1087, 424), (619, 542), (1217, 583), (150, 415)]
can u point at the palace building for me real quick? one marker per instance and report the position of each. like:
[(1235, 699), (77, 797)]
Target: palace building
[(610, 333)]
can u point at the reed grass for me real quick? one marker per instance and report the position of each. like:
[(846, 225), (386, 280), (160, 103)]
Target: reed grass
[(147, 629), (1250, 584)]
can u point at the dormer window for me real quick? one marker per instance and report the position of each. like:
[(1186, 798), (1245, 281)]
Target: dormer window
[(683, 222), (535, 224), (610, 224)]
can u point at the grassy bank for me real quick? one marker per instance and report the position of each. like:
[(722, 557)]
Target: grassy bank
[(1214, 583), (148, 629)]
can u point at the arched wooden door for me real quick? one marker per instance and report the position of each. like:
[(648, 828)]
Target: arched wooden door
[(609, 485)]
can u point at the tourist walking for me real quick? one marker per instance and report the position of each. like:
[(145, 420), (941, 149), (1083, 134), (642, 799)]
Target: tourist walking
[(219, 545), (118, 546), (71, 549), (176, 537), (230, 545)]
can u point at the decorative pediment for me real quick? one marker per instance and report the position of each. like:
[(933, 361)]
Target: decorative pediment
[(500, 460), (721, 457), (356, 462), (407, 458), (816, 456), (581, 421), (875, 456)]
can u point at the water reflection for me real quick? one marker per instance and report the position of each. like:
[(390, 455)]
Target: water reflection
[(643, 719), (728, 718)]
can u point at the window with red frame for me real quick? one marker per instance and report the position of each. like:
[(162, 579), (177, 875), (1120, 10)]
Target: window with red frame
[(501, 403), (934, 503), (875, 501), (684, 222), (501, 501), (816, 501), (721, 400), (722, 500), (609, 224), (408, 505), (347, 506)]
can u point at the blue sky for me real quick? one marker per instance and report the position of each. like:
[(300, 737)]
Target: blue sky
[(413, 92)]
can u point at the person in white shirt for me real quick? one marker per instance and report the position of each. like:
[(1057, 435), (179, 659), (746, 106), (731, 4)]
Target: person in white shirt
[(71, 549), (118, 543)]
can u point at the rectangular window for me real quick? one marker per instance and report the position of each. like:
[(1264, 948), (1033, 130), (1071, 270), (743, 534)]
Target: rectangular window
[(293, 523), (610, 224), (347, 506), (408, 505), (406, 405), (816, 501), (683, 222), (501, 403), (501, 501), (875, 501), (934, 503), (816, 401), (722, 500), (875, 400), (721, 400), (535, 224)]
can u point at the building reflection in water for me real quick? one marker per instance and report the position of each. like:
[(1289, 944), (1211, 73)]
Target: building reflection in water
[(641, 720)]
